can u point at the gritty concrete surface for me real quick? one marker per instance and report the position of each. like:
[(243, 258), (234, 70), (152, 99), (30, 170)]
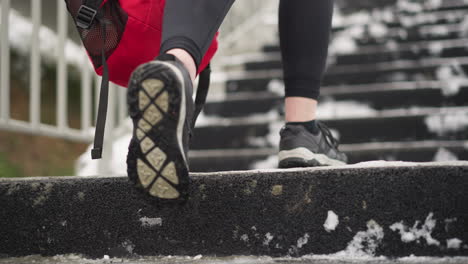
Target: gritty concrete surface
[(73, 259), (392, 211)]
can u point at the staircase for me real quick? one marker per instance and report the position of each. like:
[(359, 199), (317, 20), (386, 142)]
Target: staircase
[(395, 89)]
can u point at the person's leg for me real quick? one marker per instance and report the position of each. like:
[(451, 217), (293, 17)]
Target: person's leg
[(300, 109), (160, 98), (189, 27), (186, 59), (305, 27)]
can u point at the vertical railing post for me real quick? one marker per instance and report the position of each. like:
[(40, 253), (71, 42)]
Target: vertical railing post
[(5, 62), (35, 85), (86, 95), (62, 109)]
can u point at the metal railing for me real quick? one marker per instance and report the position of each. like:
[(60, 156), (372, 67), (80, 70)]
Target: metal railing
[(90, 84), (241, 19)]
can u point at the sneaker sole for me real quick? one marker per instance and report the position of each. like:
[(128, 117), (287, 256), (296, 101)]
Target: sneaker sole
[(302, 157), (156, 161)]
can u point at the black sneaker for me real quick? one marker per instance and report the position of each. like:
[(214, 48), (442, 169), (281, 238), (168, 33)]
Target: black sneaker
[(300, 148), (161, 107)]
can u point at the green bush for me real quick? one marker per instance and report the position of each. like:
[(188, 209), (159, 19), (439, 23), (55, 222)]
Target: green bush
[(7, 170)]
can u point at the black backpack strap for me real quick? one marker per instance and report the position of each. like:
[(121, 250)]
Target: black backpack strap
[(96, 152), (87, 14), (202, 92)]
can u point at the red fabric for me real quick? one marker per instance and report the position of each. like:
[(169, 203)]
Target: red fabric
[(141, 40)]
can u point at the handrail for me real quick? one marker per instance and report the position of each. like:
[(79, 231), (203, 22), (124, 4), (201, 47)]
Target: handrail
[(89, 82)]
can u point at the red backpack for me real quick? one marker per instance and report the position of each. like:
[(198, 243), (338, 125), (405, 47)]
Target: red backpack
[(132, 37)]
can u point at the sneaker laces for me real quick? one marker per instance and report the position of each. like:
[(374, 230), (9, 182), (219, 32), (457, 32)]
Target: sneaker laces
[(331, 141)]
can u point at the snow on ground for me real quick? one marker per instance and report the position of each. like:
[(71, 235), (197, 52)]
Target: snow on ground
[(204, 120), (359, 25), (454, 243), (85, 166), (444, 123), (362, 247), (329, 109), (331, 222), (268, 163), (438, 123), (423, 231), (453, 77), (416, 233), (444, 154), (276, 87)]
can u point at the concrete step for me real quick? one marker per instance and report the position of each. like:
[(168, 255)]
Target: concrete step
[(404, 94), (377, 53), (404, 125), (383, 209), (413, 151), (404, 34), (400, 70), (200, 259), (452, 5)]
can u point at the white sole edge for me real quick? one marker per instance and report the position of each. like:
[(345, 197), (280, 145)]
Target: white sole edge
[(182, 110), (303, 153)]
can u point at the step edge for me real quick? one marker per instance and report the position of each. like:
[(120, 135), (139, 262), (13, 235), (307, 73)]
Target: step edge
[(380, 114), (355, 147)]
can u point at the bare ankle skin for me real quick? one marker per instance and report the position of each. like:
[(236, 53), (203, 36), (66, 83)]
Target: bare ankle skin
[(300, 109), (187, 60)]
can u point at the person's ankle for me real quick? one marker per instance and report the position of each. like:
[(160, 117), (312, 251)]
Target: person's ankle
[(311, 126), (187, 60)]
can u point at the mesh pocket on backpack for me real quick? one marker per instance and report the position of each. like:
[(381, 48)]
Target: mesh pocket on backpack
[(93, 38)]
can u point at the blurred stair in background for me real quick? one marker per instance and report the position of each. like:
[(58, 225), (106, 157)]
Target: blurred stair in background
[(395, 89)]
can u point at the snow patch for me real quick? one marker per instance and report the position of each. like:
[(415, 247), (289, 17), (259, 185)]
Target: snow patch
[(272, 139), (302, 241), (378, 30), (339, 109), (120, 139), (276, 87), (363, 246), (452, 77), (381, 163), (244, 238), (85, 166), (331, 222), (411, 234), (454, 243), (365, 243), (443, 123), (20, 39), (268, 163), (150, 222), (204, 120), (268, 238), (444, 154), (128, 246), (343, 44)]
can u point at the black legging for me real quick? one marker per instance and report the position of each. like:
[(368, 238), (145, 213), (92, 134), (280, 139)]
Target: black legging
[(304, 27)]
